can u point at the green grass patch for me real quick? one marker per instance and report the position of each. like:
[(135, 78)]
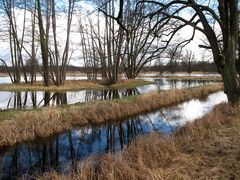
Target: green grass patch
[(8, 114)]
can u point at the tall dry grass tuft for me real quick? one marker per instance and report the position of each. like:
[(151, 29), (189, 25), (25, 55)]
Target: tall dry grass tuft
[(48, 121), (206, 149)]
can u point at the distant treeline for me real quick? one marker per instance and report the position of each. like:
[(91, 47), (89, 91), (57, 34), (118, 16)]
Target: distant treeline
[(28, 69), (180, 67), (184, 67)]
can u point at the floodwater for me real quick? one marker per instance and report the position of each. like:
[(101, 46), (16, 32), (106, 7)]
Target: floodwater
[(182, 74), (36, 99), (7, 80), (60, 153)]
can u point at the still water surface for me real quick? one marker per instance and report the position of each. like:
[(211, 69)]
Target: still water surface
[(60, 153), (7, 80), (36, 99)]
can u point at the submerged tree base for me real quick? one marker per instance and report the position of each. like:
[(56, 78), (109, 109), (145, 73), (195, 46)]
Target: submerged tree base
[(206, 149)]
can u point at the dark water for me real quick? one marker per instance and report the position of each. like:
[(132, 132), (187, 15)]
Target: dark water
[(36, 99), (60, 153)]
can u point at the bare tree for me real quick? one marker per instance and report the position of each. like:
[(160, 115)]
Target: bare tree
[(90, 50), (54, 64), (16, 37), (141, 43), (102, 44), (142, 40), (112, 45), (33, 46), (188, 60), (44, 44), (222, 42), (59, 63), (174, 54)]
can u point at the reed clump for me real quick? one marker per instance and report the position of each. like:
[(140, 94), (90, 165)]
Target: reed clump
[(29, 125), (206, 149)]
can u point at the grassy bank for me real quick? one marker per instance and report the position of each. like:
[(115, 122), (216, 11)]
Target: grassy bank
[(29, 125), (206, 149), (73, 85)]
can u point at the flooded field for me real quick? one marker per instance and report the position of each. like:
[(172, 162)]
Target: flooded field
[(7, 80), (36, 99), (61, 152), (181, 74)]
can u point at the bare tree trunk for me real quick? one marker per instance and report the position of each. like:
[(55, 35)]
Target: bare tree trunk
[(33, 57), (9, 73), (226, 61), (65, 58), (44, 46), (56, 69)]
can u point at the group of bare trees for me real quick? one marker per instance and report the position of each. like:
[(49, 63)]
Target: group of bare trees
[(38, 28), (143, 25), (107, 48), (217, 20), (119, 45), (102, 46), (16, 36), (54, 64)]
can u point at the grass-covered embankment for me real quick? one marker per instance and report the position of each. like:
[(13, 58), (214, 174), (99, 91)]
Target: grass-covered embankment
[(45, 122), (206, 149), (74, 85)]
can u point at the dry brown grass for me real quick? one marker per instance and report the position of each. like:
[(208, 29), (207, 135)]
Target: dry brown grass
[(43, 123), (39, 86), (72, 85), (206, 149)]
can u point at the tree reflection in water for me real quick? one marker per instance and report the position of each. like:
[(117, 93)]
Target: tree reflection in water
[(61, 152), (109, 94), (35, 99), (164, 84), (26, 100)]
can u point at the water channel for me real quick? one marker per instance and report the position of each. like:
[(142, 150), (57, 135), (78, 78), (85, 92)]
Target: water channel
[(61, 152)]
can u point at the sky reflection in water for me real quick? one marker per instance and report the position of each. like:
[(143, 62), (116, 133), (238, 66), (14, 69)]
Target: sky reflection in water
[(36, 99), (61, 152)]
